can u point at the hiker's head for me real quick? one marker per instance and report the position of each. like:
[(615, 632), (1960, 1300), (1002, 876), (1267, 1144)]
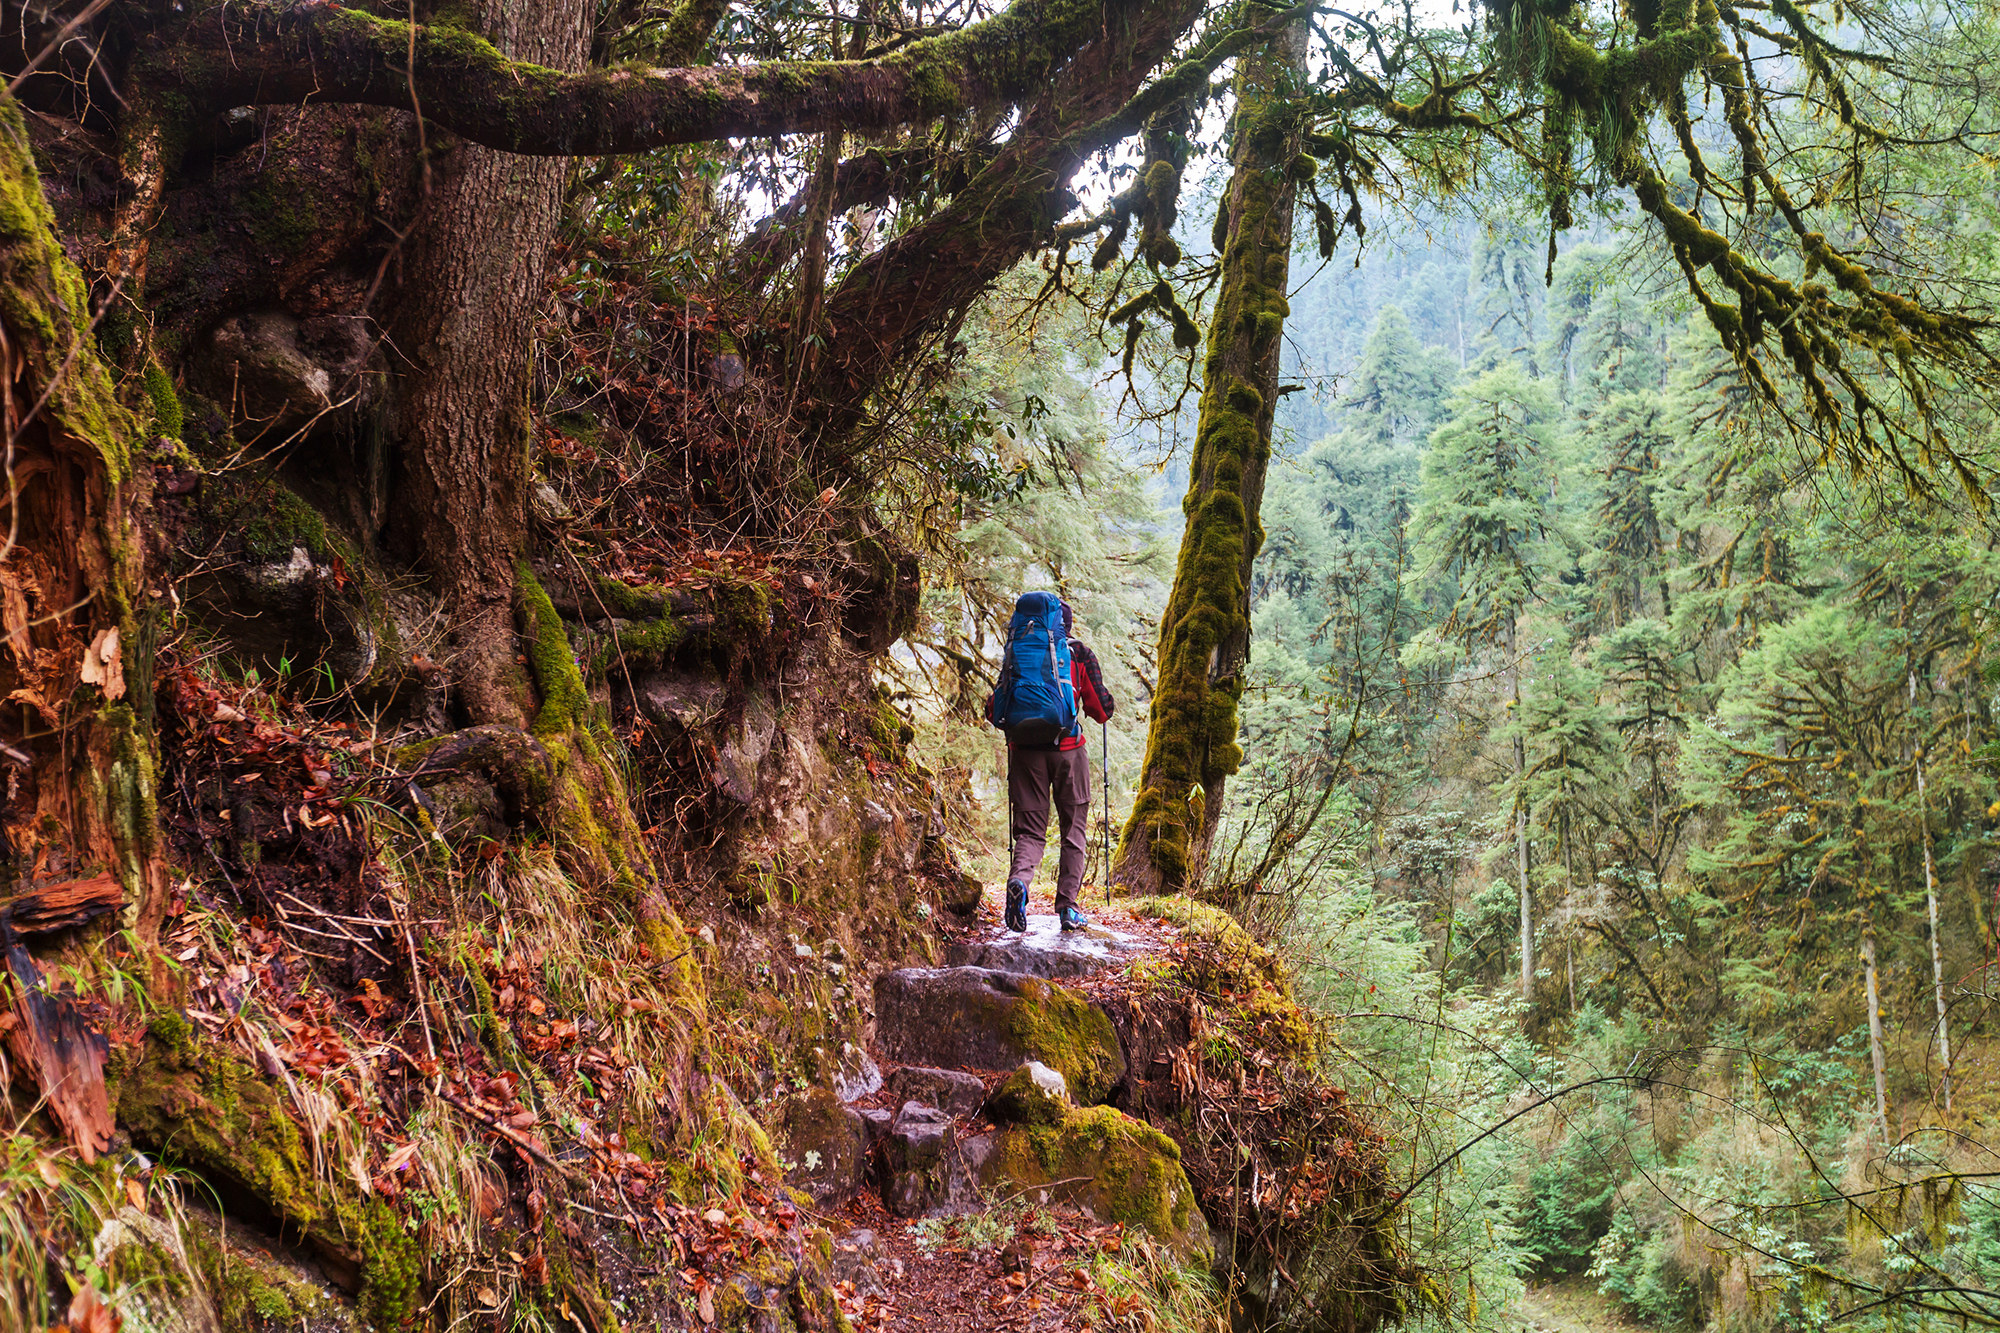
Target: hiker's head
[(1069, 620)]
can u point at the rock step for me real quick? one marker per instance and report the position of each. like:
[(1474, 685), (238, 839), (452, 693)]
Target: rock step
[(983, 1018), (998, 1008), (1046, 950)]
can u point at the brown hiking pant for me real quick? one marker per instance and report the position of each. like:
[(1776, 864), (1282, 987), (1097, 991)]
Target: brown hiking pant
[(1032, 775)]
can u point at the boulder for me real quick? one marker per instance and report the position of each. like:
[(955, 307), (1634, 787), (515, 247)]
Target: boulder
[(922, 1171), (1034, 1094), (1117, 1168), (952, 1092), (858, 1257), (824, 1146), (982, 1019)]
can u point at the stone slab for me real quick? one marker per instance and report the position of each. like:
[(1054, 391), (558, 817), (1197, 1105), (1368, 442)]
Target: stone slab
[(1046, 950)]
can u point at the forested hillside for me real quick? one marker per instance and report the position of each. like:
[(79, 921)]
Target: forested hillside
[(1620, 711), (514, 511)]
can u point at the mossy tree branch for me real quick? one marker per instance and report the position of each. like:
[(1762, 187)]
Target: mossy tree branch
[(890, 304), (266, 52), (1873, 361)]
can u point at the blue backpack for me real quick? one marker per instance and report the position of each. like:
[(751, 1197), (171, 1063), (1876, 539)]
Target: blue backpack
[(1035, 702)]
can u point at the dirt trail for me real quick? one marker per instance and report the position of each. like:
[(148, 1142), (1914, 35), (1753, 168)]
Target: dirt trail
[(1571, 1305)]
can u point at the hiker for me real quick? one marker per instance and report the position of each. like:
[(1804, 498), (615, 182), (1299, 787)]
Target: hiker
[(1045, 677)]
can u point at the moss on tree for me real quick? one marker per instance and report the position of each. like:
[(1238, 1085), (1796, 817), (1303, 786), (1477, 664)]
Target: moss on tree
[(1191, 747)]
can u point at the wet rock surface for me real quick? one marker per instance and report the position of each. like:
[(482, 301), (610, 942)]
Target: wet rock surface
[(1045, 949)]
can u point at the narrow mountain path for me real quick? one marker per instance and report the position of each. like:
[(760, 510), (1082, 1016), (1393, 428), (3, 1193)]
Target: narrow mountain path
[(957, 1251)]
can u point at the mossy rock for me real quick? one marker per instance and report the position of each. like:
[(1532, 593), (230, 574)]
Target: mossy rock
[(255, 1286), (201, 1106), (1121, 1169), (973, 1017), (1034, 1094), (151, 1276), (823, 1146)]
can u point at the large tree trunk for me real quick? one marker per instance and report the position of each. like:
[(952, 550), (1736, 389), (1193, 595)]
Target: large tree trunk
[(77, 821), (1205, 632), (472, 284)]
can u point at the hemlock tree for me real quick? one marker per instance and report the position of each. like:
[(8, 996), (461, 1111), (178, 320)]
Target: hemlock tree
[(1484, 526)]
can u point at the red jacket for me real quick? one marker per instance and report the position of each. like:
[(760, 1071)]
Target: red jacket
[(1087, 678), (1091, 695)]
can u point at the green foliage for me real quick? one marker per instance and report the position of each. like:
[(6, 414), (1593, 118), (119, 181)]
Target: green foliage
[(1730, 669), (1484, 527)]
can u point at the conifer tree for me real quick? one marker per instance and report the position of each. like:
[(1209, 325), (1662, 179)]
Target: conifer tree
[(1485, 525)]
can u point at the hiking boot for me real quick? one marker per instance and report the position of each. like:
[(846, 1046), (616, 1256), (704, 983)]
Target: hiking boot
[(1073, 919), (1017, 905)]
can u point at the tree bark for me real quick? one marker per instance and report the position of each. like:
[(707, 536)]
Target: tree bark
[(1875, 1054), (1937, 949), (472, 286), (76, 667), (1191, 747), (528, 97)]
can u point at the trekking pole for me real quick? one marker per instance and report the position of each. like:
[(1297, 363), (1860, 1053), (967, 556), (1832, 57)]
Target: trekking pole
[(1104, 736)]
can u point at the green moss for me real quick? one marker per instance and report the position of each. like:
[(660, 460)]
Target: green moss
[(627, 602), (267, 1301), (202, 1107), (1257, 1008), (1019, 1100), (1070, 1035), (391, 1267), (646, 643), (1121, 1169), (46, 303), (167, 417), (273, 522), (172, 1030), (497, 1036), (564, 699)]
